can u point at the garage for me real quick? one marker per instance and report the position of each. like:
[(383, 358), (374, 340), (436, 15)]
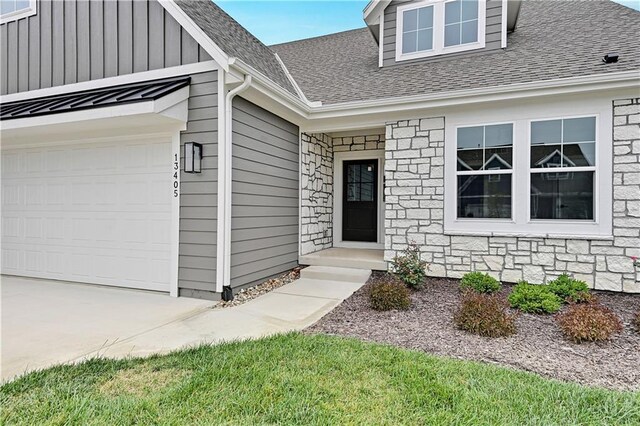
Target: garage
[(88, 195), (96, 212)]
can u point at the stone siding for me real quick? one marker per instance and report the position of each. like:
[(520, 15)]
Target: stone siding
[(317, 193), (414, 171), (317, 184), (358, 143)]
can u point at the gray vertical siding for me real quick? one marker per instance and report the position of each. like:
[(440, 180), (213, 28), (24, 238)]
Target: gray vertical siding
[(264, 224), (199, 193), (493, 32), (71, 41)]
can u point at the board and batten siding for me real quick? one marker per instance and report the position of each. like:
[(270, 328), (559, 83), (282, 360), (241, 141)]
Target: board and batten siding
[(72, 41), (265, 185), (493, 34), (199, 193)]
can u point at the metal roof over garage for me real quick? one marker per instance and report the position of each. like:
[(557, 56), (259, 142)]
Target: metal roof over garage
[(98, 98)]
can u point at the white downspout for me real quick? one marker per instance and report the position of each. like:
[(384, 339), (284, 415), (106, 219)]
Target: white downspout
[(226, 184)]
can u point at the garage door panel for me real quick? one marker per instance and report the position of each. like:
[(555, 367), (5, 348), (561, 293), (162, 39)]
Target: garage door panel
[(89, 212)]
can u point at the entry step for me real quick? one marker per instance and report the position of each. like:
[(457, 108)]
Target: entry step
[(332, 273)]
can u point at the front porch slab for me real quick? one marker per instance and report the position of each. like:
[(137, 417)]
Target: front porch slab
[(346, 258)]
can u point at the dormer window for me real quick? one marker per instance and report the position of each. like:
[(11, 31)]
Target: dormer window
[(437, 27), (12, 10)]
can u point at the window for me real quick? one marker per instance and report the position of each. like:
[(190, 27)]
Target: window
[(484, 171), (435, 27), (417, 30), (568, 146), (539, 174), (11, 10), (460, 22)]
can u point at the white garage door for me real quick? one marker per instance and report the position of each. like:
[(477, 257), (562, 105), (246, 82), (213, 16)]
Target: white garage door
[(94, 212)]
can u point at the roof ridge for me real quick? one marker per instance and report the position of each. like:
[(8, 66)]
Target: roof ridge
[(318, 37)]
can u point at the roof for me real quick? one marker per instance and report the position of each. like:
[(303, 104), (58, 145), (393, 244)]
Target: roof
[(88, 99), (553, 40), (235, 40)]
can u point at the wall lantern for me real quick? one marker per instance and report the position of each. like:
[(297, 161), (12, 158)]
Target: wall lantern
[(192, 157)]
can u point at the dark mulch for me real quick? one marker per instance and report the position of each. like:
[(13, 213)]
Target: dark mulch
[(538, 345)]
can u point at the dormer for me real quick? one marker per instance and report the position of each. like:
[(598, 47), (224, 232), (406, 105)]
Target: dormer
[(419, 30)]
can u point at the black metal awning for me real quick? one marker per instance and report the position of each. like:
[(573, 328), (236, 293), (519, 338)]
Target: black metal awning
[(95, 98)]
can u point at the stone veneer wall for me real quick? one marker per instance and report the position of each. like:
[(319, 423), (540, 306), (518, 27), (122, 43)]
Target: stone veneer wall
[(414, 169), (358, 143), (317, 184), (316, 215)]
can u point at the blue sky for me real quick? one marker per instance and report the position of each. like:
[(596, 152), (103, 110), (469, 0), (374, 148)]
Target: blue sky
[(280, 21)]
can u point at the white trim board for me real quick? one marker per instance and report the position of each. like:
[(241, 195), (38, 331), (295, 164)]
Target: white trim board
[(338, 170)]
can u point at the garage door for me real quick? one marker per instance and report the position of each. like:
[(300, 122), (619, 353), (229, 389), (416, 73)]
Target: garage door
[(91, 211)]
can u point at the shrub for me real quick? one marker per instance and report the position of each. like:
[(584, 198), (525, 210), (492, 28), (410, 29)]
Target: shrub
[(569, 289), (388, 295), (409, 268), (534, 299), (485, 314), (482, 283), (588, 322)]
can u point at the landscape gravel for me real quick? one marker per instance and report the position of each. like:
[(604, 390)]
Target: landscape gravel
[(249, 293), (538, 346)]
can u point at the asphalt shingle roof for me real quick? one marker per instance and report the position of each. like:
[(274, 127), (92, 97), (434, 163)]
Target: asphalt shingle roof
[(235, 40), (552, 40)]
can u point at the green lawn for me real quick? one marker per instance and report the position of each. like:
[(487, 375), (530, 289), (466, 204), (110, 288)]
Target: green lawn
[(298, 379)]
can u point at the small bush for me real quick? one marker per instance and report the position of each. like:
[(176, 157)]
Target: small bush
[(534, 299), (485, 314), (409, 267), (388, 295), (588, 322), (482, 283), (569, 289)]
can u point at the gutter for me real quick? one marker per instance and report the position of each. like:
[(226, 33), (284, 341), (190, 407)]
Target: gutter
[(224, 188)]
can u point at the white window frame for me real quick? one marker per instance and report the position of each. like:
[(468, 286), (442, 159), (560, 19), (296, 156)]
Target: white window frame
[(438, 30), (19, 14), (509, 172), (521, 223), (539, 170)]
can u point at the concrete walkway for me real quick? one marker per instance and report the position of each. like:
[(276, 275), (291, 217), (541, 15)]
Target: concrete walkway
[(48, 322)]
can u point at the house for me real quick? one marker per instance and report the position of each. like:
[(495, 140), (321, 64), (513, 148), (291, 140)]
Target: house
[(158, 145)]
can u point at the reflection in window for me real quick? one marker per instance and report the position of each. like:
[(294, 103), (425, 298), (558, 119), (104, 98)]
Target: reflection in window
[(558, 195), (569, 147), (482, 152), (360, 182), (484, 196)]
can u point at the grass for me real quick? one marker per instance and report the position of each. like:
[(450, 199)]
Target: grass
[(300, 379)]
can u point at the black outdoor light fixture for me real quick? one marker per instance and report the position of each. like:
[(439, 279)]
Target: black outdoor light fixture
[(192, 157), (610, 58)]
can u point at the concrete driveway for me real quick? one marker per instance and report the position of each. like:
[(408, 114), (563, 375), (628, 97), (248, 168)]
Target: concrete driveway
[(48, 322)]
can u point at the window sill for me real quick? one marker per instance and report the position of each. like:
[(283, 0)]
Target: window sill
[(400, 57), (450, 232)]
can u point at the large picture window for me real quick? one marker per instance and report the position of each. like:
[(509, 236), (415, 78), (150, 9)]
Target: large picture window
[(568, 148), (435, 27), (484, 171)]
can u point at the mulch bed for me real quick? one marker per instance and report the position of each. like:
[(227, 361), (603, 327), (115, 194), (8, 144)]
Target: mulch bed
[(538, 346)]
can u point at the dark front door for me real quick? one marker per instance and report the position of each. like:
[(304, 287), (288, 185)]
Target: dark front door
[(360, 201)]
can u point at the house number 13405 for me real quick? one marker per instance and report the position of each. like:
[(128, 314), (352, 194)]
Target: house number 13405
[(176, 170)]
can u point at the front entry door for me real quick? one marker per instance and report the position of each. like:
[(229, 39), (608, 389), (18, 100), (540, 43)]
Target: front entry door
[(360, 201)]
